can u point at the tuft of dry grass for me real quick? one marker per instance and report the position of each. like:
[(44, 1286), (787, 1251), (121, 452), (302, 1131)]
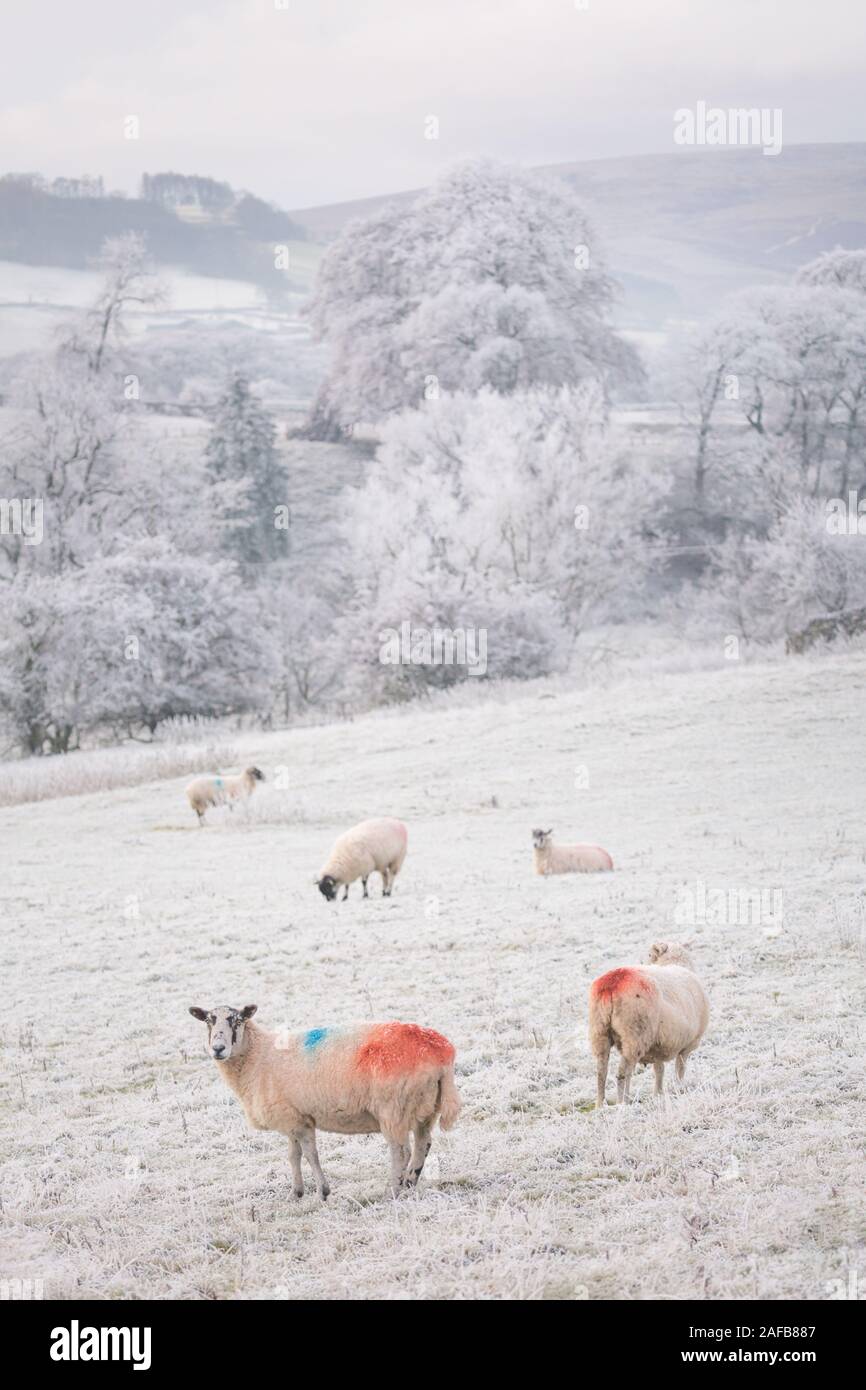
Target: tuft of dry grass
[(104, 769)]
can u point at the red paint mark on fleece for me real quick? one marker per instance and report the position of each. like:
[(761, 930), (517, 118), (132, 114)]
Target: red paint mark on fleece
[(625, 980), (391, 1048)]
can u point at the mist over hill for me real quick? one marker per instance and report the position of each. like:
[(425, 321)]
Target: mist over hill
[(680, 231), (192, 222), (683, 230)]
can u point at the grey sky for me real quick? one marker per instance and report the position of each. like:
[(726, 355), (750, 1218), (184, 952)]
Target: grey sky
[(326, 100)]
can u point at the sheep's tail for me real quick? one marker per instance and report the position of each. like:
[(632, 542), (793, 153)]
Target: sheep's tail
[(600, 1022), (449, 1099)]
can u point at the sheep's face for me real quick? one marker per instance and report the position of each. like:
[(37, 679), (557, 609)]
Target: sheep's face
[(541, 838), (256, 773), (225, 1028), (669, 953), (328, 886)]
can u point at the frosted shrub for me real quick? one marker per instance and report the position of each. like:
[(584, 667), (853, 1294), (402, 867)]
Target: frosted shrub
[(512, 514), (766, 588)]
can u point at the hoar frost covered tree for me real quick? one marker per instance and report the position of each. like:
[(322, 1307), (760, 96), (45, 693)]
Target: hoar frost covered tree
[(844, 269), (127, 279), (783, 447), (492, 278), (123, 614), (767, 587), (519, 515), (241, 461), (786, 368)]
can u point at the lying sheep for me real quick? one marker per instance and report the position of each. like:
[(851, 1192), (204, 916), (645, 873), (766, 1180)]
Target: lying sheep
[(205, 792), (651, 1013), (549, 858), (394, 1079), (374, 846)]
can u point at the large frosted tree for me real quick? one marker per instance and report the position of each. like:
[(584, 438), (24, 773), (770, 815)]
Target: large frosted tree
[(492, 278), (521, 515)]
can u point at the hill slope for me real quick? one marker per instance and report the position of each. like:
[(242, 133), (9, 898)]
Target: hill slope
[(133, 1174), (682, 230)]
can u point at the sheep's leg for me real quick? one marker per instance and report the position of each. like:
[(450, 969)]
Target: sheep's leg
[(295, 1161), (345, 893), (307, 1140), (407, 1155), (602, 1061), (681, 1065), (200, 815), (659, 1069), (365, 894), (626, 1069), (620, 1080), (386, 882), (398, 1164), (420, 1151)]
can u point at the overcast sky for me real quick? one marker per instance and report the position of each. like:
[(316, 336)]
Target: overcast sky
[(326, 100)]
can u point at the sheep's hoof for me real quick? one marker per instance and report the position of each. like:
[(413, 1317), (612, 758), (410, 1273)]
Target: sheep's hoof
[(298, 1192), (325, 1193)]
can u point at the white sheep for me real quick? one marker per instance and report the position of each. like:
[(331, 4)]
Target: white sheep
[(651, 1013), (374, 846), (205, 792), (394, 1079), (549, 858)]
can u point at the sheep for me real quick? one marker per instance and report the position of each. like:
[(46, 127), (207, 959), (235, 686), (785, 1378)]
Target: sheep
[(549, 858), (205, 792), (651, 1013), (374, 846), (393, 1079)]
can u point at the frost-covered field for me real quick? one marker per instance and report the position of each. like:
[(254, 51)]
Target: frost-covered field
[(128, 1169)]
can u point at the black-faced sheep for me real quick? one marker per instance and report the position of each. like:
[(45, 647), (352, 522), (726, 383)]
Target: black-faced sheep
[(374, 846)]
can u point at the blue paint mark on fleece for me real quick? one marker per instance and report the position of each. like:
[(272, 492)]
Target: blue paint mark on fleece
[(315, 1036), (219, 781)]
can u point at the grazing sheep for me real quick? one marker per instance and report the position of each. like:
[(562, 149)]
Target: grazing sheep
[(549, 858), (651, 1013), (205, 792), (393, 1079), (374, 846)]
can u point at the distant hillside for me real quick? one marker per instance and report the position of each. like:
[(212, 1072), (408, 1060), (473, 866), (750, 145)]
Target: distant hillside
[(39, 226), (682, 230)]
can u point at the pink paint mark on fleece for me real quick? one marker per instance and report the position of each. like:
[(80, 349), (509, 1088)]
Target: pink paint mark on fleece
[(606, 855), (625, 980), (391, 1048)]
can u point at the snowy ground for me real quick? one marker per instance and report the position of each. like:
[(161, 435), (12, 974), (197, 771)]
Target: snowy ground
[(128, 1169)]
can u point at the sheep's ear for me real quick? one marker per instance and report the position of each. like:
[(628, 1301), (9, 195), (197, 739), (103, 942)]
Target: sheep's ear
[(200, 1014), (549, 832), (657, 950), (248, 1010)]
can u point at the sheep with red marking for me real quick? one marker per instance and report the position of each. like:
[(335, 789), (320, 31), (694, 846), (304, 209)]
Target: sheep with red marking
[(549, 858), (651, 1013), (374, 846), (394, 1079)]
